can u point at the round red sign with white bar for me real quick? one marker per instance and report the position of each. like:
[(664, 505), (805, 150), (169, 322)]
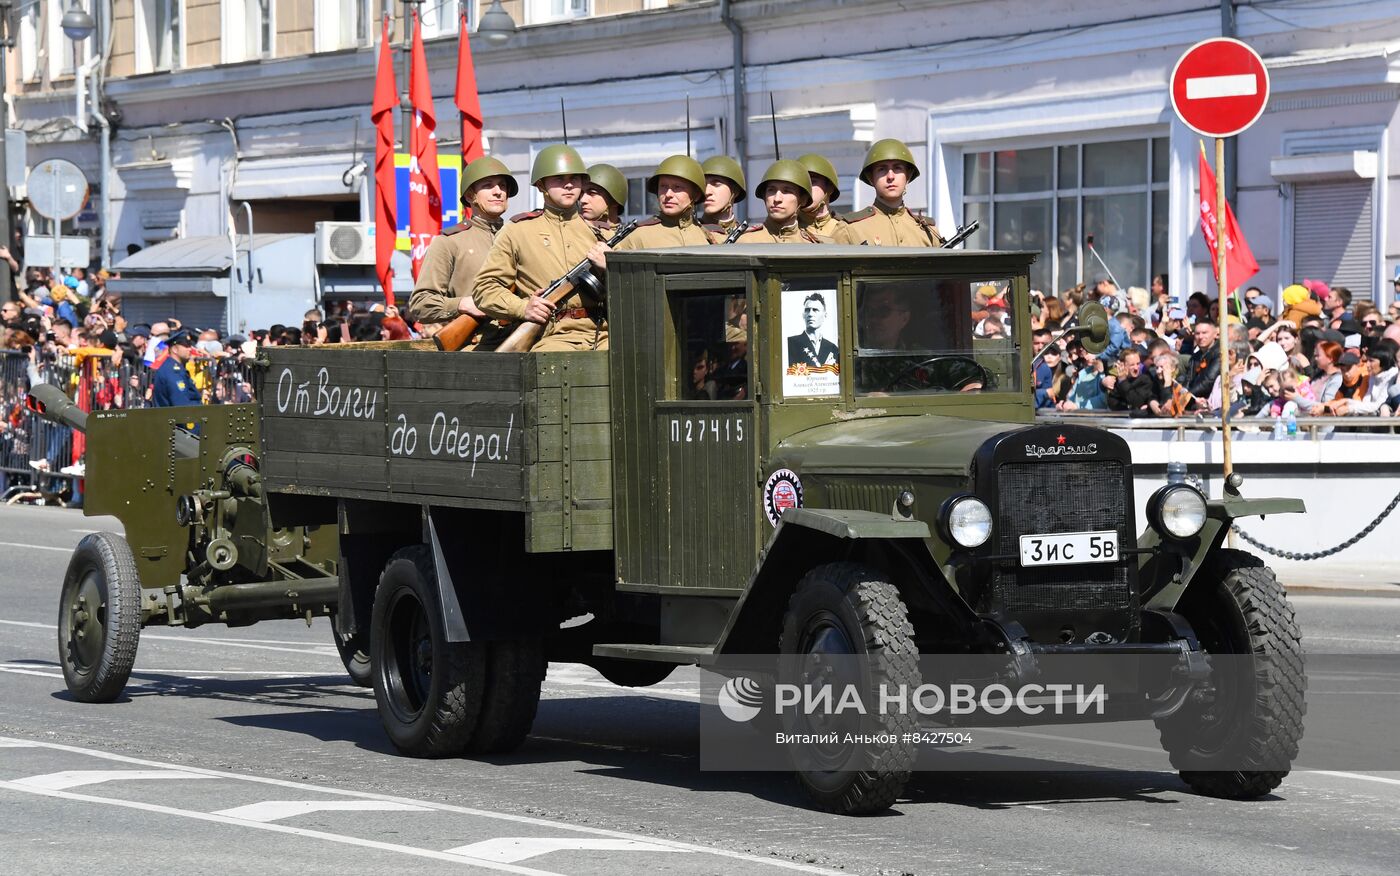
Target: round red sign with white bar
[(1219, 87)]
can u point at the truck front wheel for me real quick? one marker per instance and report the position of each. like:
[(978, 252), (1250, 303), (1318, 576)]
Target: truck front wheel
[(847, 623), (1239, 739), (428, 689)]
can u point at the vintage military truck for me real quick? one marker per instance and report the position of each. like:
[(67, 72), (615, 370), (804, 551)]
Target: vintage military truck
[(794, 449)]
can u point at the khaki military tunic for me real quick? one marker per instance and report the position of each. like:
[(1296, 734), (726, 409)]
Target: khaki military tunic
[(531, 251), (449, 270), (769, 232), (879, 225), (604, 228), (830, 226), (659, 232)]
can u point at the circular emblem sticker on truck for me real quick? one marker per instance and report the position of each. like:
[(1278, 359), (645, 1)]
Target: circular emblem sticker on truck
[(783, 491)]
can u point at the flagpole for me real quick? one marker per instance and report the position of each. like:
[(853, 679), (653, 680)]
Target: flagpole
[(1224, 341)]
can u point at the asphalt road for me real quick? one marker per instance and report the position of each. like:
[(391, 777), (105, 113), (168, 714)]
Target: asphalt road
[(247, 752)]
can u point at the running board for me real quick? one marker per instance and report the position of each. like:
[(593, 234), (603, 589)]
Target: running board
[(698, 654)]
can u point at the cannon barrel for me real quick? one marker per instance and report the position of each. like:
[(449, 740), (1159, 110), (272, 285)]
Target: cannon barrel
[(50, 402)]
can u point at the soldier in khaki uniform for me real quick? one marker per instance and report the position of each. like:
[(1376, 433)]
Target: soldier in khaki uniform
[(534, 249), (724, 188), (889, 168), (817, 217), (785, 189), (603, 197), (678, 184), (448, 273)]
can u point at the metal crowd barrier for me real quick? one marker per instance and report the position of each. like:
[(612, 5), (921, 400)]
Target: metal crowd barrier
[(42, 460)]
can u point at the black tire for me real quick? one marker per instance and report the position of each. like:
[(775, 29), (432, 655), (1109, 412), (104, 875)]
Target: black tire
[(633, 673), (1242, 741), (99, 618), (514, 672), (849, 608), (428, 689), (354, 655)]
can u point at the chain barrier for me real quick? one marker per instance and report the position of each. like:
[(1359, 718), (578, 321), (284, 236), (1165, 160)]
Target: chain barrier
[(1318, 555)]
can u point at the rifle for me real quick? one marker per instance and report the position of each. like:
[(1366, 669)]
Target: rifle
[(580, 277), (735, 232), (962, 234)]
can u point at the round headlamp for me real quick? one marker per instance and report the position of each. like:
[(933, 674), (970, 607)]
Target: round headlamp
[(967, 521), (1177, 511)]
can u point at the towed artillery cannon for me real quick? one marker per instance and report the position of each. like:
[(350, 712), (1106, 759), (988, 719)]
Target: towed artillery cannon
[(200, 545)]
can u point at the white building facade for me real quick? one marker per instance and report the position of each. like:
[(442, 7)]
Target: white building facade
[(1047, 121)]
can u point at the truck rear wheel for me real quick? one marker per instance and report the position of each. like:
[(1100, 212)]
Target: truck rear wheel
[(99, 618), (514, 672), (1240, 742), (847, 610), (354, 655), (428, 689)]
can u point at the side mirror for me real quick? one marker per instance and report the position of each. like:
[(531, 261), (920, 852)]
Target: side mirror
[(1093, 327)]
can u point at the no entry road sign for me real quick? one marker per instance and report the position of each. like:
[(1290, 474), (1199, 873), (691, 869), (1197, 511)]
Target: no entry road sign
[(1219, 87)]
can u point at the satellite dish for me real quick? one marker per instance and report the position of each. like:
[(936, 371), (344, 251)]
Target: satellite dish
[(57, 189)]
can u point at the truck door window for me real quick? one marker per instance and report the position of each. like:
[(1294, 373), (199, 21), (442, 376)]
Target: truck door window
[(713, 343), (934, 335)]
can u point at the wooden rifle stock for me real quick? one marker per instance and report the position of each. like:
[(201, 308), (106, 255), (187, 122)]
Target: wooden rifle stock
[(524, 335), (455, 335)]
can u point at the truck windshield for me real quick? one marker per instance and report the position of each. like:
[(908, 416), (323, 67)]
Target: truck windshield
[(934, 335)]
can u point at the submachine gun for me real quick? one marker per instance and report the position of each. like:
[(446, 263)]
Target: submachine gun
[(962, 234), (455, 335)]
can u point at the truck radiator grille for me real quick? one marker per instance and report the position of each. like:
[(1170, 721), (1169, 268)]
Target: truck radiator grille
[(1041, 498)]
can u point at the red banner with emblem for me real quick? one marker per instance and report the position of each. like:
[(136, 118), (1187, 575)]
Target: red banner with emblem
[(1239, 261), (424, 184), (386, 101)]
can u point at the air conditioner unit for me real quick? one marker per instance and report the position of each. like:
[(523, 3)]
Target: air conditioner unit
[(344, 243)]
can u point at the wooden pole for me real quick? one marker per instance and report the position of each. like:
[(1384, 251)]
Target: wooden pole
[(1224, 341)]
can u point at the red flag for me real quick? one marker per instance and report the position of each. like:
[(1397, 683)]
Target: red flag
[(424, 183), (466, 98), (1239, 261), (386, 227)]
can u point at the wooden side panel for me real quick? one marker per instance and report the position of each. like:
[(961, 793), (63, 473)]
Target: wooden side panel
[(569, 448)]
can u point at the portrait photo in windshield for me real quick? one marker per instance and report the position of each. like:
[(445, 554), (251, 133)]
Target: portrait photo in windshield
[(811, 327)]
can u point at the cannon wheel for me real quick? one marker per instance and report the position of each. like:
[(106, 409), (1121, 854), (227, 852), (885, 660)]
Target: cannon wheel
[(99, 618), (428, 690)]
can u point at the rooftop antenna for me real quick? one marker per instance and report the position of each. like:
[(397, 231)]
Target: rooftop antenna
[(564, 121), (773, 115), (688, 153)]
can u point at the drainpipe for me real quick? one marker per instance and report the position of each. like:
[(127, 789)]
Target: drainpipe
[(1228, 29), (741, 117)]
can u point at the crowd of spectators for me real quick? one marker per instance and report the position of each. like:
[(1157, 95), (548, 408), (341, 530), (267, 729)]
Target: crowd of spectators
[(1315, 352)]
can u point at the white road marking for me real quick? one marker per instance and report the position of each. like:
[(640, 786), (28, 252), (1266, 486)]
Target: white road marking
[(1359, 776), (15, 743), (190, 640), (34, 624), (77, 778), (36, 547), (1206, 87), (511, 849), (1308, 637), (366, 795), (17, 671), (276, 828), (275, 810)]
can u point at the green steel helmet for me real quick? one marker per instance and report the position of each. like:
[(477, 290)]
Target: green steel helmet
[(788, 171), (728, 168), (683, 167), (557, 160), (610, 180), (888, 150), (485, 167), (819, 166)]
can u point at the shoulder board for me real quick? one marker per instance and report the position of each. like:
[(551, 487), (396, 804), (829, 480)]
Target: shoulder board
[(458, 228), (521, 217), (814, 238), (650, 220), (924, 220), (858, 215), (714, 228)]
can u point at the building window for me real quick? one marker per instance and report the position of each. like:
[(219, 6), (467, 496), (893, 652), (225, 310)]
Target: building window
[(640, 202), (342, 24), (29, 66), (545, 11), (64, 55), (1052, 198), (440, 17), (159, 35), (248, 30)]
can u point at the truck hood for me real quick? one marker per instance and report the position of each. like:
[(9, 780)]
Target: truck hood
[(928, 444)]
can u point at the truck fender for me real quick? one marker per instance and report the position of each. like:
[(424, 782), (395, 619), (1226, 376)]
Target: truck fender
[(1167, 568), (809, 537), (452, 619)]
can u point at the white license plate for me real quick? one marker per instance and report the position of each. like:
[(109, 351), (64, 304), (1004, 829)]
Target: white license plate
[(1066, 548)]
